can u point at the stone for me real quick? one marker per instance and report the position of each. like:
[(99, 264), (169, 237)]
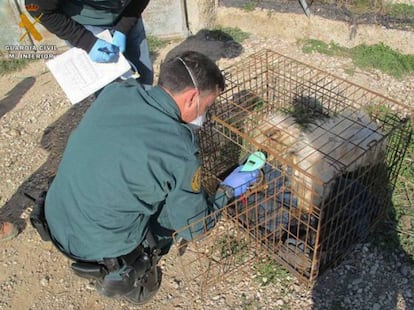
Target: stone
[(44, 282), (376, 306)]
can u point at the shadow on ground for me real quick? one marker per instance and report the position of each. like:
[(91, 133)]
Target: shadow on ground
[(54, 141), (373, 276), (215, 44), (377, 274), (14, 95)]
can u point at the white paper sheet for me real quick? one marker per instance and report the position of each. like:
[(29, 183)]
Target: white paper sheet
[(79, 76)]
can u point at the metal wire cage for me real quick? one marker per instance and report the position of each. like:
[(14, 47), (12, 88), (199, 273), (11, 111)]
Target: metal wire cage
[(333, 149)]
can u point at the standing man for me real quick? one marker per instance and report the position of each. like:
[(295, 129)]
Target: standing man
[(130, 177), (67, 19)]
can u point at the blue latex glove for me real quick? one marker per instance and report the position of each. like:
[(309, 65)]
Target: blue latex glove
[(240, 181), (103, 51), (119, 39)]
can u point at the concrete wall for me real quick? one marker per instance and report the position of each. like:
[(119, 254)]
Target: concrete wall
[(179, 18), (201, 14), (166, 18), (163, 18)]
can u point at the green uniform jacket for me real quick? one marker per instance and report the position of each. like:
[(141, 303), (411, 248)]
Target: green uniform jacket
[(131, 164)]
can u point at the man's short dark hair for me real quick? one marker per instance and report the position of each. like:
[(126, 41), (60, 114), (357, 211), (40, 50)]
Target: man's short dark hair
[(178, 73)]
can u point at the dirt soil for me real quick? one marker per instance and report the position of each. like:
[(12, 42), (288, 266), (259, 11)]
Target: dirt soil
[(35, 121)]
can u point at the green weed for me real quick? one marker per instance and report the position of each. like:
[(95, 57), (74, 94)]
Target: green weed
[(401, 10), (378, 56), (383, 58), (11, 65), (403, 200), (270, 271), (364, 6), (317, 46), (250, 6), (230, 246), (155, 43)]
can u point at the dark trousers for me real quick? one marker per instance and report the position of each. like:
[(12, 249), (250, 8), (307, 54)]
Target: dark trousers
[(135, 277)]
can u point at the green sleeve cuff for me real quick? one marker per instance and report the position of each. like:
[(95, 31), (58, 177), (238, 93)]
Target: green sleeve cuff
[(223, 195)]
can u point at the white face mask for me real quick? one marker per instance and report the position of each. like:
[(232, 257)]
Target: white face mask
[(199, 121)]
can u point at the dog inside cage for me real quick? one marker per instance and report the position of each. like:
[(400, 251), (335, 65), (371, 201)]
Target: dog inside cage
[(312, 155), (319, 148), (332, 152)]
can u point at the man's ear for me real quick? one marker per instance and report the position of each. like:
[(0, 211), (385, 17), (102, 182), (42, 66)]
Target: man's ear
[(189, 97)]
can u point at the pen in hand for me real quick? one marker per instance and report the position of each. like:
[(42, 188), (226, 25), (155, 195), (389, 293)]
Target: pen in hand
[(103, 51), (107, 51)]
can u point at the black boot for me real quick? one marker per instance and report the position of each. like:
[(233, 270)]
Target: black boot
[(116, 285), (146, 287)]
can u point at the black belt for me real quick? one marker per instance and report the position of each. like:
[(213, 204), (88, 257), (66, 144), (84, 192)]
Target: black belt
[(98, 269), (84, 268), (110, 263)]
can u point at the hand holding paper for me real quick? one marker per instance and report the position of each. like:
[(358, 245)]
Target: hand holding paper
[(103, 51), (80, 76)]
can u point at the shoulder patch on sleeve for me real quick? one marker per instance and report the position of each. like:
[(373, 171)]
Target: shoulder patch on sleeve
[(196, 180)]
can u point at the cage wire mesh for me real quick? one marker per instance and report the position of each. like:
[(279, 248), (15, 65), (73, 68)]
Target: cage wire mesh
[(333, 149)]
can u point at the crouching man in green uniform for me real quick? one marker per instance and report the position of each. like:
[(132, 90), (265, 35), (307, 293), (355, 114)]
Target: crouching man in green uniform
[(129, 178)]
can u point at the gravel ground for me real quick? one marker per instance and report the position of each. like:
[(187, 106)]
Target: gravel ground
[(35, 121)]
